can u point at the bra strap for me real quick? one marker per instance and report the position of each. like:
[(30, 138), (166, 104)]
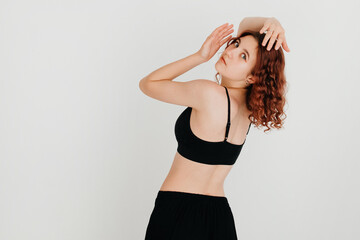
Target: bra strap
[(228, 121), (248, 129)]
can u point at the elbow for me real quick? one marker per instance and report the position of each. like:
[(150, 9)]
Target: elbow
[(140, 85), (143, 85)]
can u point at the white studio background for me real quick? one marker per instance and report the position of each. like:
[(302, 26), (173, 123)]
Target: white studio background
[(83, 151)]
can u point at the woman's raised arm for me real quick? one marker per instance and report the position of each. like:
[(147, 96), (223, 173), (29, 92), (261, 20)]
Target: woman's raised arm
[(273, 28), (251, 23)]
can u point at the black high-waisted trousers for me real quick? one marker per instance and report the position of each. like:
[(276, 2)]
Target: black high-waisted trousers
[(190, 216)]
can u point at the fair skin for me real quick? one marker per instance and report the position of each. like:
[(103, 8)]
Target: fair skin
[(209, 108), (186, 175), (240, 59), (189, 176)]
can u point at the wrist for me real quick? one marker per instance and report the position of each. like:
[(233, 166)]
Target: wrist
[(199, 57)]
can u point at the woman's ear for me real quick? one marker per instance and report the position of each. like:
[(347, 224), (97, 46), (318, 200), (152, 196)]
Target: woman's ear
[(250, 79)]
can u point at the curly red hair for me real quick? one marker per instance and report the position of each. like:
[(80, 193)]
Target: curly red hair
[(265, 98)]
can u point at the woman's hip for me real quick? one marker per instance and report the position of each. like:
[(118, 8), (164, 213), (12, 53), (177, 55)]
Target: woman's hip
[(184, 215)]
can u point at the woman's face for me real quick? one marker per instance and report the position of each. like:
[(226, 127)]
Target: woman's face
[(240, 59)]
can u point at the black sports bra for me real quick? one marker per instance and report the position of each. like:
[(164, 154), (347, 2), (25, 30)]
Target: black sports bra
[(198, 150)]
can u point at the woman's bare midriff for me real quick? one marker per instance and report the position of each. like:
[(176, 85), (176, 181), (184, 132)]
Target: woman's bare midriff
[(189, 176), (193, 177)]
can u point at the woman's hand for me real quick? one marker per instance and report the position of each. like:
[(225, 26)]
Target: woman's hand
[(274, 31), (214, 41)]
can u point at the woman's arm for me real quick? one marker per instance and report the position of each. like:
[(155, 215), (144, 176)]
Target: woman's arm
[(273, 28), (251, 23)]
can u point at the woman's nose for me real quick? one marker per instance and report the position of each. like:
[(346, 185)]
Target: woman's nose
[(228, 55)]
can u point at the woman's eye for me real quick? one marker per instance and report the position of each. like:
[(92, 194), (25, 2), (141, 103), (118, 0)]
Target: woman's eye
[(237, 42)]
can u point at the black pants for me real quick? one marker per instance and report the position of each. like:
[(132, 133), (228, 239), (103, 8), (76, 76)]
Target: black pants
[(190, 216)]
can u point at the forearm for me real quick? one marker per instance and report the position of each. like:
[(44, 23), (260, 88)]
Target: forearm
[(175, 69), (251, 23)]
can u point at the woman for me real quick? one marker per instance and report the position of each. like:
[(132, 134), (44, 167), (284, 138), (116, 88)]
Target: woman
[(212, 130)]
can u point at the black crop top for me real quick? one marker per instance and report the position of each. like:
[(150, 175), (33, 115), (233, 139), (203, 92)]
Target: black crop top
[(199, 150)]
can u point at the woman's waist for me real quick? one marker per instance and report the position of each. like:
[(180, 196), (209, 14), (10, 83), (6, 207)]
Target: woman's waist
[(195, 190), (193, 184)]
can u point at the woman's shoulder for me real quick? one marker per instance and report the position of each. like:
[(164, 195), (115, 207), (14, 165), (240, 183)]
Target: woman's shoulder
[(213, 92)]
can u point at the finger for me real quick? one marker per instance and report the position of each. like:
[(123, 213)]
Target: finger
[(278, 44), (225, 24), (285, 46), (280, 40), (263, 29), (272, 40), (267, 36), (283, 42), (216, 31), (226, 33), (269, 33), (225, 40), (221, 35), (224, 30)]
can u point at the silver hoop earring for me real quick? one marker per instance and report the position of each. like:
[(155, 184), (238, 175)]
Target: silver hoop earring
[(218, 80)]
